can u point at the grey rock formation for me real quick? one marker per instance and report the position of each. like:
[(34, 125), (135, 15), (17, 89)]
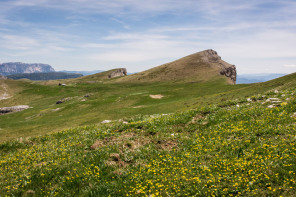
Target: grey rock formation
[(5, 110), (226, 69), (229, 72), (118, 73), (11, 68)]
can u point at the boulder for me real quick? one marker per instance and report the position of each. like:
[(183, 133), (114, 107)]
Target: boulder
[(5, 110), (118, 73)]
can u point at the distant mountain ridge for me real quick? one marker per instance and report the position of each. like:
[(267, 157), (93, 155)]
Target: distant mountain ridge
[(11, 68), (256, 78)]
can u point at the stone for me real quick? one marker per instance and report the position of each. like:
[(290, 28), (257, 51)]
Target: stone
[(63, 100), (59, 102), (118, 73), (5, 110), (106, 121)]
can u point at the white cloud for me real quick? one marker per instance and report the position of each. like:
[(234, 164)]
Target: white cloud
[(290, 66), (247, 40), (18, 42)]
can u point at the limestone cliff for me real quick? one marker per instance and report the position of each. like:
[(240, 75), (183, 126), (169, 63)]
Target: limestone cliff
[(11, 68)]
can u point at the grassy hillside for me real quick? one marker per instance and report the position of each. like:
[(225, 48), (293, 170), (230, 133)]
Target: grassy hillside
[(198, 67), (86, 102), (89, 103), (236, 147)]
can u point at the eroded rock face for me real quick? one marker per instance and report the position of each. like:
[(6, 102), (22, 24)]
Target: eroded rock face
[(212, 56), (118, 73), (5, 110), (229, 72), (226, 69)]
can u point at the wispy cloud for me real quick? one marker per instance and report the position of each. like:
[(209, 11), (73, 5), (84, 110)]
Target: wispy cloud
[(104, 32), (18, 42)]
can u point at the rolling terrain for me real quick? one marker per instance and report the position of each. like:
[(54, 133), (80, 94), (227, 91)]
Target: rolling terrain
[(232, 147), (95, 98), (162, 132)]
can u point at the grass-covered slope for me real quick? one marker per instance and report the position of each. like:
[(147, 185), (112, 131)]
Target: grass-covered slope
[(89, 103), (86, 102), (198, 67), (239, 148)]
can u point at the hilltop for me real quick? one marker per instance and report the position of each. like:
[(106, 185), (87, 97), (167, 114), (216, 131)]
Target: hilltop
[(198, 67)]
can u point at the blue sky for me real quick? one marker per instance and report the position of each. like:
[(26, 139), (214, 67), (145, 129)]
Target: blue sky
[(258, 36)]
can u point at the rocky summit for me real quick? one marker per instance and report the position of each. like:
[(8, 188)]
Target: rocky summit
[(11, 68), (226, 69), (198, 67)]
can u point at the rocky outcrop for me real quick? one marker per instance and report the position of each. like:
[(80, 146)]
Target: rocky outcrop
[(229, 72), (118, 73), (5, 110), (11, 68), (226, 69)]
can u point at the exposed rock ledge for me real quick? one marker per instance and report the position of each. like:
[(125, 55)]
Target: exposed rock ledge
[(118, 73), (226, 69), (229, 72), (5, 110)]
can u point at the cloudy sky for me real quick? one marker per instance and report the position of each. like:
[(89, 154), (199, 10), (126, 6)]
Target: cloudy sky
[(258, 36)]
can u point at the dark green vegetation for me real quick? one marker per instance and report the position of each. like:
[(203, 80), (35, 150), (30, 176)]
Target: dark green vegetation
[(45, 76), (218, 144)]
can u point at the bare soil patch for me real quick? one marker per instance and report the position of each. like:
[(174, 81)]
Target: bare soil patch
[(156, 96)]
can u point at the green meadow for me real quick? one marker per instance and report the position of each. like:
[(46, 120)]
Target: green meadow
[(200, 139)]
